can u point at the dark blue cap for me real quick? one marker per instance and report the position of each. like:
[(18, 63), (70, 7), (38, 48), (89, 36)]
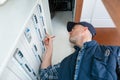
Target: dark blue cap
[(92, 30)]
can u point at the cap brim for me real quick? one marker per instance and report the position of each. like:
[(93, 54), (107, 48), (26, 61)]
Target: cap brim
[(70, 25)]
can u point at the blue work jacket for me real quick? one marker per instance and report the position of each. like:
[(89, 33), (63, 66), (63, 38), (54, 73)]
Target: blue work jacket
[(98, 63)]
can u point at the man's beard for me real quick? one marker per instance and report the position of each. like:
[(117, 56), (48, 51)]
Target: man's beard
[(72, 40)]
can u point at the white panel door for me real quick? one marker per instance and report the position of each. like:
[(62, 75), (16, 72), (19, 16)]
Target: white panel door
[(100, 16), (94, 12), (87, 10)]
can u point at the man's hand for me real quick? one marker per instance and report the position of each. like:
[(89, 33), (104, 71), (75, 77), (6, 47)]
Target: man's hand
[(48, 41)]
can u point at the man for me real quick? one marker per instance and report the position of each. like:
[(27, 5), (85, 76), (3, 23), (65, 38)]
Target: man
[(90, 61)]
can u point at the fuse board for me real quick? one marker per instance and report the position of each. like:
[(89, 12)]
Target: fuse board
[(29, 50)]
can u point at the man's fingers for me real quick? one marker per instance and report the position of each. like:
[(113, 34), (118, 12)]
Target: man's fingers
[(49, 37), (52, 36)]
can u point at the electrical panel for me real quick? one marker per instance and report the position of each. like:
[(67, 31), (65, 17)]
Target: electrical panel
[(28, 53)]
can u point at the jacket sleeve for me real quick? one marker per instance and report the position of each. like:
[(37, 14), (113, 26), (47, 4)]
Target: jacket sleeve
[(118, 63), (50, 73)]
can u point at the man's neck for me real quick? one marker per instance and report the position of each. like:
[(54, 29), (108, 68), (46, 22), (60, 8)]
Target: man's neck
[(81, 43)]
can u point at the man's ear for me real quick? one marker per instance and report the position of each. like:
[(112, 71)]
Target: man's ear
[(85, 28)]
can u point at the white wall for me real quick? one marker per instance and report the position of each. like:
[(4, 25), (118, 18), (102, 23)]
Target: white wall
[(61, 44)]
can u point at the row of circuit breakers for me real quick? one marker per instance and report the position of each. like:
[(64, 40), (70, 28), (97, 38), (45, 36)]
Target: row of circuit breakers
[(27, 56)]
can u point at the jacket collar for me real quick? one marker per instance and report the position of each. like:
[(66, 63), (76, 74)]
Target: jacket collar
[(87, 45), (90, 44)]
